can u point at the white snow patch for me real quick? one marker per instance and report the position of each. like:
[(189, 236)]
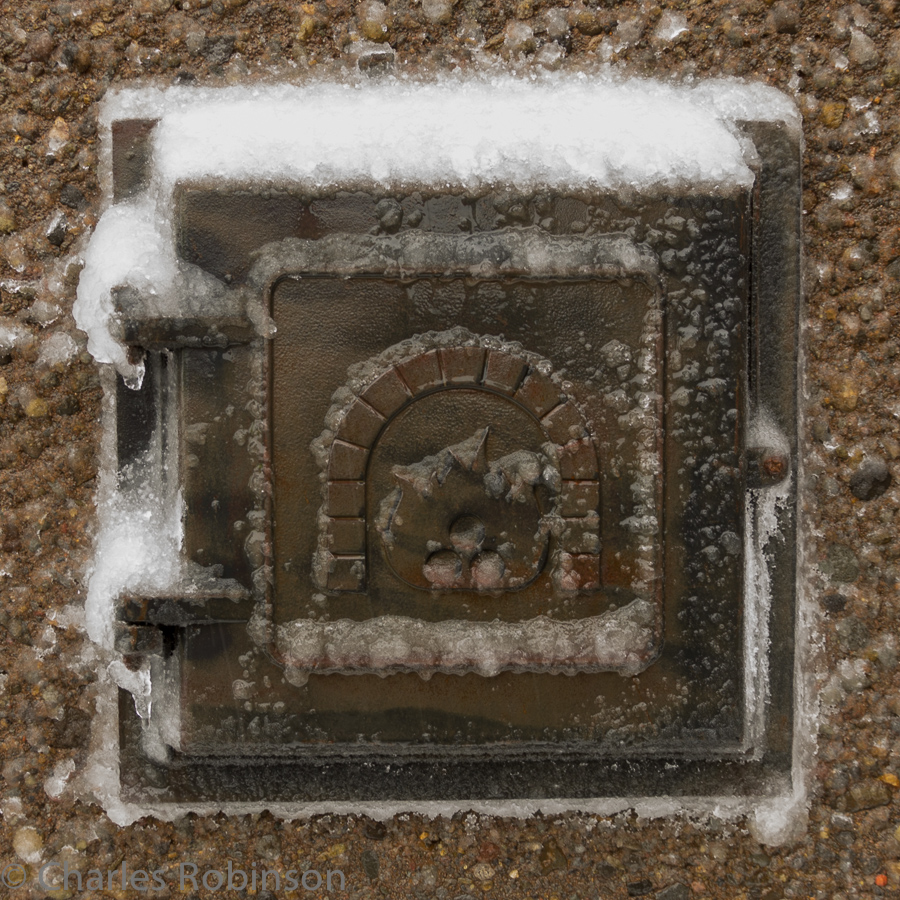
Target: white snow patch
[(130, 246), (553, 131), (556, 133), (138, 548)]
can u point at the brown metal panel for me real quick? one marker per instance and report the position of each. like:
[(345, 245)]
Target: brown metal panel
[(217, 459)]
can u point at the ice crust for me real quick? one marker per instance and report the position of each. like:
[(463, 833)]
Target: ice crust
[(778, 819), (14, 335), (763, 516), (138, 548), (389, 644), (58, 348)]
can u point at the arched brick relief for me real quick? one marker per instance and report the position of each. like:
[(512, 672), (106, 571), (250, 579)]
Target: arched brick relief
[(340, 563)]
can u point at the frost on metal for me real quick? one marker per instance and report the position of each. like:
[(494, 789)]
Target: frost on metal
[(393, 644), (394, 424)]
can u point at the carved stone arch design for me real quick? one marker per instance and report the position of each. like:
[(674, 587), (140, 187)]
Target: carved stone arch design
[(340, 563)]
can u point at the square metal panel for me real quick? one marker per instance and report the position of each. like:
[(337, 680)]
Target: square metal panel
[(486, 494)]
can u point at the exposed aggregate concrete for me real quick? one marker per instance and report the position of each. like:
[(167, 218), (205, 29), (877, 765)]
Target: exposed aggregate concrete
[(842, 60)]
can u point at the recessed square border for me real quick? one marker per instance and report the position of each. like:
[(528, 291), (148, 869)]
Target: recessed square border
[(581, 260)]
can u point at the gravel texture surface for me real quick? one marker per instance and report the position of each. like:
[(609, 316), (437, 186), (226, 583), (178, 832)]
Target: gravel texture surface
[(840, 60)]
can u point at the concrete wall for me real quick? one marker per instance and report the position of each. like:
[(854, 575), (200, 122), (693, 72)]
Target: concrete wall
[(842, 62)]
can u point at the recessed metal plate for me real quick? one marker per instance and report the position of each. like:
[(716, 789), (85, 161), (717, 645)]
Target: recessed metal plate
[(486, 495)]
